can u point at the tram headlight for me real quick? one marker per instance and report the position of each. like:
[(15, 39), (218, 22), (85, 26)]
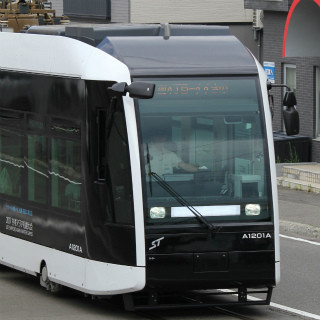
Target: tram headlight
[(157, 212), (252, 209)]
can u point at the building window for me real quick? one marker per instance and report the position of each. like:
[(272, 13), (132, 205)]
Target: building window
[(290, 76), (290, 79)]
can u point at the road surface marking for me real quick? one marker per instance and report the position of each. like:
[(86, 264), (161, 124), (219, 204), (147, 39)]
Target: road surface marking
[(301, 240), (281, 307), (295, 311)]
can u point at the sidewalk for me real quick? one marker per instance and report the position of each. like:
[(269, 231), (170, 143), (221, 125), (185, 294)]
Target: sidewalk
[(299, 213)]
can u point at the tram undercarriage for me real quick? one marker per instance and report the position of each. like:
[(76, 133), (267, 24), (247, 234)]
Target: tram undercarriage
[(197, 299)]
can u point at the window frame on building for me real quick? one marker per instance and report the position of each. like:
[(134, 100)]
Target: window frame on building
[(290, 84)]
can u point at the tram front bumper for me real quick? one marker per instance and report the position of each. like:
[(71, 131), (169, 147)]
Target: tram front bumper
[(211, 270)]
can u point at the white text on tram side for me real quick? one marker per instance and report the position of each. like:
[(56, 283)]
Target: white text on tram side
[(75, 247), (258, 235)]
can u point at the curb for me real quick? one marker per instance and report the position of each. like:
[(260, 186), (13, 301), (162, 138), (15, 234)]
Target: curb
[(300, 229), (298, 185)]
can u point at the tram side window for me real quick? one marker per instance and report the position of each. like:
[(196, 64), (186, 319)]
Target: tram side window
[(65, 174), (37, 166), (11, 163)]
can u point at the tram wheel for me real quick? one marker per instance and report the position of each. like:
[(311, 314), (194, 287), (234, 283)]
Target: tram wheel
[(46, 283)]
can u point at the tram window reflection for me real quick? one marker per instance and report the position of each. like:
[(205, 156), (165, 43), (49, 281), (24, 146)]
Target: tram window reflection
[(11, 163), (37, 165), (65, 174)]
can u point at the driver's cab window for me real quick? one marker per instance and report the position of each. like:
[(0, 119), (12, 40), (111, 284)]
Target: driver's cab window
[(210, 154), (168, 148), (180, 150)]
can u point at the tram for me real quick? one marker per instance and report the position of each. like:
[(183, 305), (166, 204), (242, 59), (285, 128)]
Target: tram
[(137, 159)]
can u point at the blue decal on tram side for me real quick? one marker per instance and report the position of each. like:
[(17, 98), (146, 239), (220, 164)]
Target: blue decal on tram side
[(19, 210)]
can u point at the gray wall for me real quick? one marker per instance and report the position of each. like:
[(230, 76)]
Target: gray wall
[(93, 9), (120, 11), (304, 30), (274, 5), (186, 11), (274, 23), (58, 6)]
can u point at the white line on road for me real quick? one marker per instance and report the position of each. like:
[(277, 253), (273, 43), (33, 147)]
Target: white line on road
[(289, 309), (301, 240), (281, 307), (295, 311)]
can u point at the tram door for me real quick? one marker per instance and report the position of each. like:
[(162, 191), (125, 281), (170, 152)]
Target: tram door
[(111, 218)]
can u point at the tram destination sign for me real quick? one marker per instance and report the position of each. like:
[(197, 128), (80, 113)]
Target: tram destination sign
[(193, 89), (235, 88)]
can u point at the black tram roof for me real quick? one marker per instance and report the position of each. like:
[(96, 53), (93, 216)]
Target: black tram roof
[(155, 49)]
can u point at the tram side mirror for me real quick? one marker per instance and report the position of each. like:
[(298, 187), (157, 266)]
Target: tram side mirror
[(141, 90), (138, 89), (290, 114)]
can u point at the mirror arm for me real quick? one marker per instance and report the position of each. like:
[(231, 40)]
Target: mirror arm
[(118, 89), (272, 85)]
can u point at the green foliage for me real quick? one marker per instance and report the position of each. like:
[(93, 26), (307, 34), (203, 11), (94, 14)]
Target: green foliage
[(293, 156)]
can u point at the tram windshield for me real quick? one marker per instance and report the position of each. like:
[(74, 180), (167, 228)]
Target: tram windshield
[(203, 146)]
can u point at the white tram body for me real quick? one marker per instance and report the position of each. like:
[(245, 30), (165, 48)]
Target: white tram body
[(55, 92)]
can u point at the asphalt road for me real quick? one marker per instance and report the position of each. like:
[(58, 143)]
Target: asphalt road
[(297, 296), (299, 207), (300, 282), (22, 298)]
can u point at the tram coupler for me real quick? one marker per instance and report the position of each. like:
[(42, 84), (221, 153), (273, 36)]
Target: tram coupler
[(153, 298), (128, 302), (149, 301), (242, 294)]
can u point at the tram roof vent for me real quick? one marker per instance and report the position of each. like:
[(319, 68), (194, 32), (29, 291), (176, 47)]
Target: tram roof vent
[(166, 31), (94, 34)]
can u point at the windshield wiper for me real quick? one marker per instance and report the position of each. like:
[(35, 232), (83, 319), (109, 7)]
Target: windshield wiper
[(183, 202)]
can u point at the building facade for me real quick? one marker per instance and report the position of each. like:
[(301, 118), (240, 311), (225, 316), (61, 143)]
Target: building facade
[(226, 12), (152, 11), (58, 6), (300, 73), (180, 11)]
